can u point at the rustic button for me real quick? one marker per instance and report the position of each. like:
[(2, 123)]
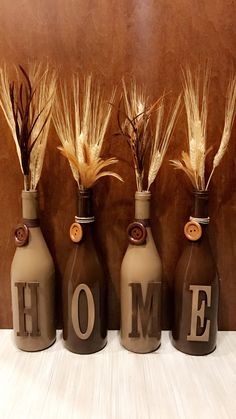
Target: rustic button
[(137, 233), (76, 232), (193, 230), (21, 235)]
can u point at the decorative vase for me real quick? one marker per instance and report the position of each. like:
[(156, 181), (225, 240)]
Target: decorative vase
[(32, 282), (141, 273), (196, 287), (84, 329)]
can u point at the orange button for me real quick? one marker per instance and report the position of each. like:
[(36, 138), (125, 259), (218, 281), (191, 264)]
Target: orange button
[(76, 232), (193, 230), (21, 235), (137, 233)]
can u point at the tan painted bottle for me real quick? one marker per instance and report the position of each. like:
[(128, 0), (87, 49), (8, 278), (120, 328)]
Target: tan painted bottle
[(32, 282), (141, 274)]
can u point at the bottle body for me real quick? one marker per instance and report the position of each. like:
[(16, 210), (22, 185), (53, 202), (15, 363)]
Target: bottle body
[(33, 285), (141, 274), (196, 291), (84, 326)]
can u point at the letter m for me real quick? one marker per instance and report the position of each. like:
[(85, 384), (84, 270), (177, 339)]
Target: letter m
[(146, 310)]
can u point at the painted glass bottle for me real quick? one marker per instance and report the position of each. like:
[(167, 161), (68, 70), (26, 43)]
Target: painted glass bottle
[(84, 329), (141, 273), (196, 287), (32, 282)]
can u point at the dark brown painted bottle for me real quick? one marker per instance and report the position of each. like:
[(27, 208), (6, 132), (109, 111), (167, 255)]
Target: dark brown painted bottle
[(84, 329), (196, 291)]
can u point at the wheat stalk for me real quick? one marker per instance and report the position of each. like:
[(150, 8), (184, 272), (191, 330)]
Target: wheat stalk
[(136, 127), (161, 140), (196, 110), (193, 162), (45, 81), (81, 118), (230, 110), (5, 103), (195, 101), (26, 104)]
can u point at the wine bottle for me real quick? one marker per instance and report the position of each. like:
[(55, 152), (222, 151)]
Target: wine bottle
[(84, 329), (32, 282), (141, 283), (196, 286)]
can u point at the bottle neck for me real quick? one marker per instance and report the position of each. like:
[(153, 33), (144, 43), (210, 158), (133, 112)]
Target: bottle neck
[(200, 209), (84, 206), (30, 205), (142, 205)]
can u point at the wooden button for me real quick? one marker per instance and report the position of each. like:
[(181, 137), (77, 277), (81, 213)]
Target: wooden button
[(21, 235), (137, 233), (76, 232), (193, 230)]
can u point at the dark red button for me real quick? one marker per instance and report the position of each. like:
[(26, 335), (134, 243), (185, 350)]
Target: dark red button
[(137, 233), (21, 235)]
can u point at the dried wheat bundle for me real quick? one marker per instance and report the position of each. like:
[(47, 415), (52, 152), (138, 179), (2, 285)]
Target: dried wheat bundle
[(26, 104), (195, 99), (136, 127), (81, 115)]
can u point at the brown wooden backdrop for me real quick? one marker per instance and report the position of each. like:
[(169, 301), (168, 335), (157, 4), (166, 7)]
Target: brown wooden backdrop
[(151, 40)]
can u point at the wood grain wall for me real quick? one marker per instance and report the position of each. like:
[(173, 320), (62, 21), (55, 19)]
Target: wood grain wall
[(151, 40)]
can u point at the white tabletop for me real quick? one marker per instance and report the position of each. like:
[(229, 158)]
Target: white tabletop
[(117, 384)]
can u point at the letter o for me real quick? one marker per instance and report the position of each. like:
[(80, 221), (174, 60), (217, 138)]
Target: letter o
[(91, 311)]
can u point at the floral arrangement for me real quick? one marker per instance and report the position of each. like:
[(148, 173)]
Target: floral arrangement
[(26, 103), (148, 145), (81, 116), (196, 106)]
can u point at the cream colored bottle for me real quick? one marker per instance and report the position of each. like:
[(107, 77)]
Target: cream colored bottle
[(32, 282), (141, 274)]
